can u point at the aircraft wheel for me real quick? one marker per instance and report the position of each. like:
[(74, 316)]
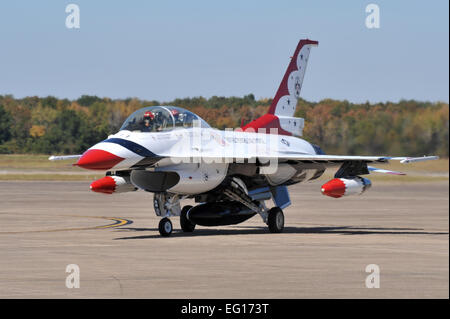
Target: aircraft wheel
[(275, 220), (186, 225), (165, 227)]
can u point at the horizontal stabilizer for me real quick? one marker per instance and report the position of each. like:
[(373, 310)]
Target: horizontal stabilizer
[(383, 171)]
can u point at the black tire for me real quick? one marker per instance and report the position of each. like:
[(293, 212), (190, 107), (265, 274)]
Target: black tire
[(186, 225), (165, 227), (275, 220)]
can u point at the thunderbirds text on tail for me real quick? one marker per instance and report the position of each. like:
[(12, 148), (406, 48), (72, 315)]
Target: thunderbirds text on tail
[(231, 174)]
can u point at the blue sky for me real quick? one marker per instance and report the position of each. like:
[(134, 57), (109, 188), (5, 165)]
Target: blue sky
[(167, 49)]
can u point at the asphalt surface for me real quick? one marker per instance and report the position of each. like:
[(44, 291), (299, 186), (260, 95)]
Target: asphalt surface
[(323, 253)]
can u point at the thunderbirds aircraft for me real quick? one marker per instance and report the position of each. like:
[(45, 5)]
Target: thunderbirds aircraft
[(173, 153)]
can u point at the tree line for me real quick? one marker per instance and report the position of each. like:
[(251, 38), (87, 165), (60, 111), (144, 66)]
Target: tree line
[(48, 125)]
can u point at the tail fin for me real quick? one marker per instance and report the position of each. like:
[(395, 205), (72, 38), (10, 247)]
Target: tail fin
[(285, 100), (283, 106)]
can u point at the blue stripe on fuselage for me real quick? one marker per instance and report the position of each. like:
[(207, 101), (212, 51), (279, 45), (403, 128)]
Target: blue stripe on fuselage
[(132, 146)]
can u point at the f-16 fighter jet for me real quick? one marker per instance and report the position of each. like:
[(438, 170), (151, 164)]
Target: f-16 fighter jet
[(233, 174)]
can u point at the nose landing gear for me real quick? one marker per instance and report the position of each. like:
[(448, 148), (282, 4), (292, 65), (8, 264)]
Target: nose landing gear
[(165, 227), (166, 205)]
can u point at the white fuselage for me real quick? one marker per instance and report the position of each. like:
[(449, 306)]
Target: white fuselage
[(201, 156)]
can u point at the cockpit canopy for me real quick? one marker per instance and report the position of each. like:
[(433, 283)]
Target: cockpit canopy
[(161, 118)]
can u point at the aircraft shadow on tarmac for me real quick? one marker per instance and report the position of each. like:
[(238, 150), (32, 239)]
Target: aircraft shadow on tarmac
[(255, 230)]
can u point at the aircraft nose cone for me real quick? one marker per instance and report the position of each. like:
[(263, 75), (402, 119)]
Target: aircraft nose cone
[(334, 188), (98, 160)]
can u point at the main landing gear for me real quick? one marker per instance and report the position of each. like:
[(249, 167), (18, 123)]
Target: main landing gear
[(275, 220), (274, 217), (167, 205), (186, 225)]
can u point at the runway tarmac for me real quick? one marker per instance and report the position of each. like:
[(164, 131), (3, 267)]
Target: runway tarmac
[(323, 253)]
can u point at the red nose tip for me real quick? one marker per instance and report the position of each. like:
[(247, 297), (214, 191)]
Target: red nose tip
[(98, 160), (334, 188), (105, 185)]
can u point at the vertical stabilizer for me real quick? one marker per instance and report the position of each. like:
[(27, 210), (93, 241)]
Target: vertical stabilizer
[(285, 100), (282, 110)]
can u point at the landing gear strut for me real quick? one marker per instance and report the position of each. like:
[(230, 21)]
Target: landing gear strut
[(274, 217), (166, 205)]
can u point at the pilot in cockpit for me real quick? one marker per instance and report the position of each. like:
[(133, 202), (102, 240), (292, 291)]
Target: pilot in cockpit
[(149, 119), (177, 117)]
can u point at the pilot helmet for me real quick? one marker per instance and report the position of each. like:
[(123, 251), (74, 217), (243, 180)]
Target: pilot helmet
[(149, 115)]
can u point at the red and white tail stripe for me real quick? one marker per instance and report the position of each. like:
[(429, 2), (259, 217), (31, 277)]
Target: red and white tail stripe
[(284, 104), (285, 100)]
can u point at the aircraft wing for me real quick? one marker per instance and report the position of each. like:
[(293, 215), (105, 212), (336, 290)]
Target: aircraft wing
[(292, 156), (347, 158), (332, 159), (349, 165)]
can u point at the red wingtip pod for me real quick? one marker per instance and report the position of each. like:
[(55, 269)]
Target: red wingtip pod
[(106, 185), (353, 185), (98, 160), (113, 184), (334, 188)]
